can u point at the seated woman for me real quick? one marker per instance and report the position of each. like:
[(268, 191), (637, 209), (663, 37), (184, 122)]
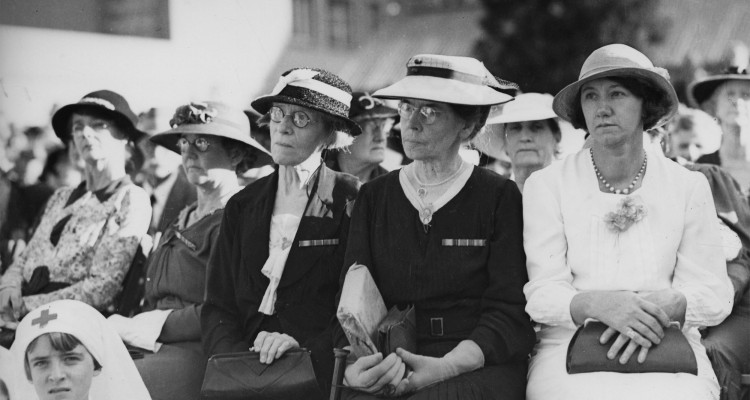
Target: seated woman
[(67, 350), (444, 236), (274, 274), (621, 235), (215, 144), (88, 235), (727, 344), (362, 159), (529, 131)]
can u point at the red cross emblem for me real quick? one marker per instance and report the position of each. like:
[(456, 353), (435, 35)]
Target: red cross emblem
[(43, 319)]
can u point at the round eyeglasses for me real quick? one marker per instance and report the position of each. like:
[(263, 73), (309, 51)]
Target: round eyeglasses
[(201, 144), (427, 114), (299, 118)]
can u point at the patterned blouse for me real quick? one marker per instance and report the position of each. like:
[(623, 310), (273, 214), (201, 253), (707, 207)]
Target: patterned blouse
[(86, 240)]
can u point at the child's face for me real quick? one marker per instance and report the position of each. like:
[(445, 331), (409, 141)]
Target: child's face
[(58, 375)]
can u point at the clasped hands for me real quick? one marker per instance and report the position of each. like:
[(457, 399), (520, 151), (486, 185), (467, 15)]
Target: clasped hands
[(397, 374), (638, 320)]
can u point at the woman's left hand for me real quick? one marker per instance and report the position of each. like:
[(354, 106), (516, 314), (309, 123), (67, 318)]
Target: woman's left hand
[(424, 372), (272, 345), (621, 341)]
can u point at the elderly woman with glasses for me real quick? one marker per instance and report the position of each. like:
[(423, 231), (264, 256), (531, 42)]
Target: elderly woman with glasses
[(88, 235), (215, 144), (274, 274), (445, 237)]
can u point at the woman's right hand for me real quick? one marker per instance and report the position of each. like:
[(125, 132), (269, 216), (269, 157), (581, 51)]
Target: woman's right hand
[(11, 302), (372, 373), (639, 321)]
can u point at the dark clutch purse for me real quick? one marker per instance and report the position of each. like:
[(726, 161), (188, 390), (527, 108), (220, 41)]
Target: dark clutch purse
[(242, 376), (398, 329), (586, 354)]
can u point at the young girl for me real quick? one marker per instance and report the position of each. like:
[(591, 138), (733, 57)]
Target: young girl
[(68, 351)]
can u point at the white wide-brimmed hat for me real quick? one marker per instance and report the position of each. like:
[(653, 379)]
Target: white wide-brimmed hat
[(525, 107), (449, 79), (617, 60)]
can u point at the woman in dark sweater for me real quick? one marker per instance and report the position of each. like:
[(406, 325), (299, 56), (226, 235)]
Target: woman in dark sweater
[(273, 276), (446, 237)]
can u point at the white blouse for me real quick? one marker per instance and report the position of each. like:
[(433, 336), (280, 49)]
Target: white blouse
[(570, 248)]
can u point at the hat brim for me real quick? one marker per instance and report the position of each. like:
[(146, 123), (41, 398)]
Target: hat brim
[(263, 104), (565, 105), (701, 90), (442, 90), (378, 111), (521, 116), (61, 118), (169, 140)]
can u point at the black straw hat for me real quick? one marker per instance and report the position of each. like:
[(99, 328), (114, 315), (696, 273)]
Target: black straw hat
[(111, 104), (701, 90), (312, 88), (364, 106)]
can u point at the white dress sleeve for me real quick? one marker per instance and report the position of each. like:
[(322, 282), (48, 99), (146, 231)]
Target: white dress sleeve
[(701, 273), (549, 290)]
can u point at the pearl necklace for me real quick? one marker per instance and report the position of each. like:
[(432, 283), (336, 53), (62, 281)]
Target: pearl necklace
[(609, 186), (422, 191)]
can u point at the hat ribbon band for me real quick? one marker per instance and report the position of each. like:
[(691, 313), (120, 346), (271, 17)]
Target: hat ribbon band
[(446, 74), (214, 120), (95, 100), (304, 78)]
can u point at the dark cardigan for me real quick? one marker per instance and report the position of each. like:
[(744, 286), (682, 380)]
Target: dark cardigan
[(305, 305)]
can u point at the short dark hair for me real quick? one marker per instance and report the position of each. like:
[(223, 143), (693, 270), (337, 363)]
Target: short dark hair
[(472, 114), (655, 103), (59, 341), (247, 153)]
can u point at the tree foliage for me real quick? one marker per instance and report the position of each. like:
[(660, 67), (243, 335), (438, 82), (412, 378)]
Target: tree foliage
[(542, 44)]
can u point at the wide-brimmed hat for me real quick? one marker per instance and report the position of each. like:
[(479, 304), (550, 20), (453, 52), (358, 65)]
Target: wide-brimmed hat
[(702, 89), (617, 60), (525, 107), (364, 106), (215, 119), (449, 79), (312, 88), (107, 102)]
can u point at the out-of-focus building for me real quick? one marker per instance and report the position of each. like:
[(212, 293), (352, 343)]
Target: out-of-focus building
[(157, 53)]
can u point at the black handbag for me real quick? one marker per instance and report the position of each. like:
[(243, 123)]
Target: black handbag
[(398, 329), (241, 375), (672, 355)]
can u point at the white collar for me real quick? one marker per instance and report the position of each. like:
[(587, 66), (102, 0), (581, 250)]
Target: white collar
[(307, 168)]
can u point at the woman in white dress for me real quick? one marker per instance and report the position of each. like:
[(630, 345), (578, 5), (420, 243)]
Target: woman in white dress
[(621, 235)]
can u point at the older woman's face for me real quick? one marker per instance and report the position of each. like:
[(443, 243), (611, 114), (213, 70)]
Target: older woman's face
[(369, 146), (729, 97), (423, 140), (530, 143), (290, 144), (612, 112), (205, 168), (97, 139)]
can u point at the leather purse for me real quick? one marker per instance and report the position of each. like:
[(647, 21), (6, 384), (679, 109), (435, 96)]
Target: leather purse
[(672, 355), (398, 329), (241, 375)]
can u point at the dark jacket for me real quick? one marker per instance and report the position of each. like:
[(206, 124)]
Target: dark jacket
[(180, 196), (305, 305)]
